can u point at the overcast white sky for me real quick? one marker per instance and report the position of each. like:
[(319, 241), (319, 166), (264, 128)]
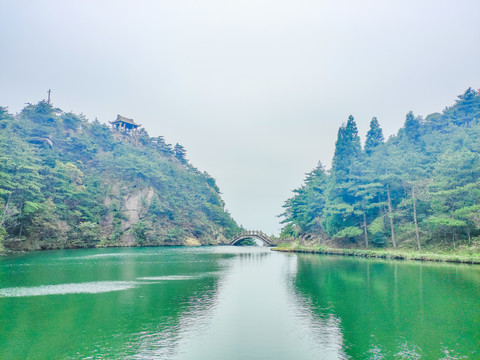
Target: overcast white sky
[(254, 89)]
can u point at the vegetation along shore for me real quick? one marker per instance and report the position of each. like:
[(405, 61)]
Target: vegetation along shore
[(67, 182), (388, 254), (419, 190)]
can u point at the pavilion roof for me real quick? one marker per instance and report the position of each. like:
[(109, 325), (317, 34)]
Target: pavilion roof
[(121, 119)]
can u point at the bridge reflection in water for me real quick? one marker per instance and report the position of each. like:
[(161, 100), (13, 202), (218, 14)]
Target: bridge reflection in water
[(252, 235)]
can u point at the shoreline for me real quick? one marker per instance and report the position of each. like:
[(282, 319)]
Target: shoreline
[(386, 254), (389, 254), (8, 252)]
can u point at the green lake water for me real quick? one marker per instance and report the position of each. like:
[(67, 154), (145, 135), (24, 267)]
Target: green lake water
[(234, 303)]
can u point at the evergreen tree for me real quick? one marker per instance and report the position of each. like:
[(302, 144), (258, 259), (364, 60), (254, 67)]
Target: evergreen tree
[(467, 108), (339, 212), (374, 136), (180, 153), (412, 127), (164, 148), (6, 118), (304, 210), (347, 147)]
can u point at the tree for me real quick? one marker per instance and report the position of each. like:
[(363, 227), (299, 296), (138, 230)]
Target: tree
[(347, 148), (470, 215), (414, 202), (467, 107), (412, 127), (366, 204), (305, 209), (20, 181), (164, 148), (374, 136), (180, 153), (6, 118)]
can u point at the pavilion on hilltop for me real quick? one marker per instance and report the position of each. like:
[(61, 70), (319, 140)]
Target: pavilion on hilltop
[(124, 124)]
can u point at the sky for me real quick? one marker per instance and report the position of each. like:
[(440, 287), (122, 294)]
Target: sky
[(254, 89)]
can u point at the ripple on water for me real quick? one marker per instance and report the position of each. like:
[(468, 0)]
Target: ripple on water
[(177, 277), (63, 289), (101, 256), (169, 277)]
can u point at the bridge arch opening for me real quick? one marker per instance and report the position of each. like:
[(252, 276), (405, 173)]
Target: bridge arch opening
[(255, 235), (249, 242)]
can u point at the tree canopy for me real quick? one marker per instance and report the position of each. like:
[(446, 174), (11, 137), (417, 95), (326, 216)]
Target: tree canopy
[(68, 182), (419, 188)]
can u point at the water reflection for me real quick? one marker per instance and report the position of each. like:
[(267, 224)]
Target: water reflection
[(395, 310), (163, 342), (255, 314), (234, 303)]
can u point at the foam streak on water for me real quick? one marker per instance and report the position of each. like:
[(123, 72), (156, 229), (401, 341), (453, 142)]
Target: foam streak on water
[(62, 289), (169, 277)]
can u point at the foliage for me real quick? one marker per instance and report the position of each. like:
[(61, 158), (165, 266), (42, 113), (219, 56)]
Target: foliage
[(246, 242), (180, 153), (140, 232), (374, 136), (175, 235), (65, 182), (348, 232), (421, 187), (304, 211), (462, 256)]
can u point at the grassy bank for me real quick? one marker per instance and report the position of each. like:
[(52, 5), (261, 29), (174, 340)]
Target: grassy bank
[(384, 254)]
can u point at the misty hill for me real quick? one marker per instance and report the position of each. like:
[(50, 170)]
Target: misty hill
[(66, 182), (420, 188)]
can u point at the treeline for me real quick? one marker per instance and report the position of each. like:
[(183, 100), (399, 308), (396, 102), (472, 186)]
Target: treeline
[(67, 182), (420, 188)]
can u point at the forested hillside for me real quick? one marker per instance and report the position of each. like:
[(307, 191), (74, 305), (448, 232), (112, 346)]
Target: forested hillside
[(66, 182), (418, 189)]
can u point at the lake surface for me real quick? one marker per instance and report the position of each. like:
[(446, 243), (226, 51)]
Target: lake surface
[(234, 303)]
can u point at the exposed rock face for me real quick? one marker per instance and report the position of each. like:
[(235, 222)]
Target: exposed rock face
[(127, 239), (42, 141), (106, 224), (135, 205), (131, 220), (192, 242)]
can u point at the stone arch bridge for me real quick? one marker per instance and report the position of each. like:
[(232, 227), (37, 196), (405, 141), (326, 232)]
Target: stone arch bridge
[(253, 235)]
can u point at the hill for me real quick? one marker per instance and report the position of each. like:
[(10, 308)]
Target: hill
[(66, 182)]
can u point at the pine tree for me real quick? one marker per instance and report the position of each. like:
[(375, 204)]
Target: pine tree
[(164, 148), (339, 212), (412, 127), (467, 107), (180, 153), (5, 117), (304, 210), (374, 136), (347, 147)]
